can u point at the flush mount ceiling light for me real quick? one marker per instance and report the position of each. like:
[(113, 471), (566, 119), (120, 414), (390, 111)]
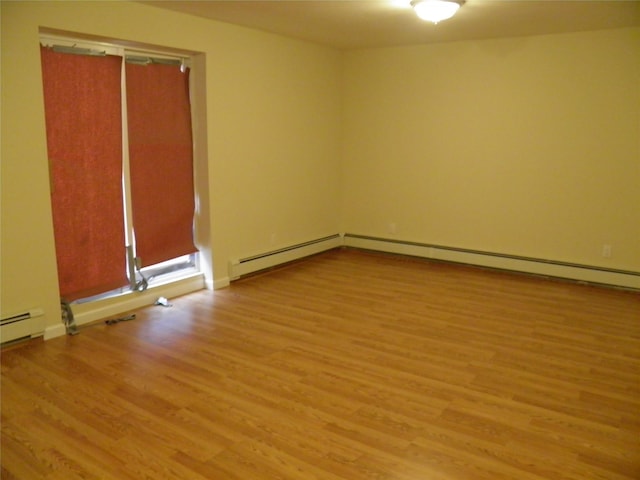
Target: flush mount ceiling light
[(436, 10)]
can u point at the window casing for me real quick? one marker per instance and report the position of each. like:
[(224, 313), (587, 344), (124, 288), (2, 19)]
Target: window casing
[(139, 273)]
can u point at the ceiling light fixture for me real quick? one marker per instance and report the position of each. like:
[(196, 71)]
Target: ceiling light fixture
[(436, 10)]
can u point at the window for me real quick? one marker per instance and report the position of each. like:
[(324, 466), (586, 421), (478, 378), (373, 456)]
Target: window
[(119, 142)]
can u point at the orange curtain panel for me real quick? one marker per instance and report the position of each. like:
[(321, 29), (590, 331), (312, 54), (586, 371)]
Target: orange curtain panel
[(84, 144), (161, 161)]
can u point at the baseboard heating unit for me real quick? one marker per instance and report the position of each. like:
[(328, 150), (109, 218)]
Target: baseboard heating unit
[(548, 268), (23, 325), (255, 263)]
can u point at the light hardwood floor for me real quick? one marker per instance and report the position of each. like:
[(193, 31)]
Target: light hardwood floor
[(346, 366)]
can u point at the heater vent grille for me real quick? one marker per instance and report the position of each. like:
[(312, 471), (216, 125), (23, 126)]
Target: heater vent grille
[(22, 325), (262, 261)]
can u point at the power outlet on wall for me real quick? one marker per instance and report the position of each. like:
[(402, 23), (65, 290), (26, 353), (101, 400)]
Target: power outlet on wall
[(606, 250), (392, 228)]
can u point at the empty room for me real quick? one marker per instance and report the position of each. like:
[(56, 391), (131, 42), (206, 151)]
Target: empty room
[(307, 239)]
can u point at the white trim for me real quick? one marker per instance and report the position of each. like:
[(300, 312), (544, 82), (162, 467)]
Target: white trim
[(218, 284), (131, 300), (109, 307), (583, 273), (114, 47), (54, 331), (49, 40)]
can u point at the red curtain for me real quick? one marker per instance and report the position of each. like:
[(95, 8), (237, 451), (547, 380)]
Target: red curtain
[(161, 161), (84, 143)]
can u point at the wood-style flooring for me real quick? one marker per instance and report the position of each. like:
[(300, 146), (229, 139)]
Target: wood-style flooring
[(345, 366)]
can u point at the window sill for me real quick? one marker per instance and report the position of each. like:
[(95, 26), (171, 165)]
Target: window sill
[(125, 302)]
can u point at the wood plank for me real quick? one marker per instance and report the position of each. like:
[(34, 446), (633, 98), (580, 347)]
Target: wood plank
[(348, 365)]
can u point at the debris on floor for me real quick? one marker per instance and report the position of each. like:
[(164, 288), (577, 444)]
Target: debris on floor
[(126, 318), (163, 302)]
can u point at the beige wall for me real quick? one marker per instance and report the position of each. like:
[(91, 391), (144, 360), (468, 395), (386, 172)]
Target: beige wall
[(526, 146), (272, 107)]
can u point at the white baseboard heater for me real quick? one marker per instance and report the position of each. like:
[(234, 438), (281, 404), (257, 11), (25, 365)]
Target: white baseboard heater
[(23, 325), (536, 266), (255, 263)]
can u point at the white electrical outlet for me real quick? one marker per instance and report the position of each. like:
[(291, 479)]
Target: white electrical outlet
[(392, 227), (606, 251)]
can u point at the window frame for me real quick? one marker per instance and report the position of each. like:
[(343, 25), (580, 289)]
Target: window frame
[(171, 270)]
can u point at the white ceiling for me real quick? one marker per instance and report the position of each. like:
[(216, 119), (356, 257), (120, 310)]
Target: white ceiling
[(348, 24)]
